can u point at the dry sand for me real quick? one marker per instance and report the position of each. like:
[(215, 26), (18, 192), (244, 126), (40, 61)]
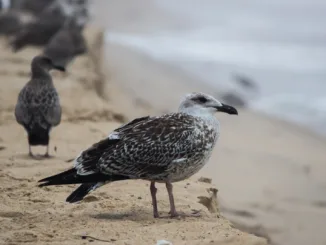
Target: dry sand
[(119, 213)]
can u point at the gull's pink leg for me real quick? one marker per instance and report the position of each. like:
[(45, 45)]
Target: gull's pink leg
[(173, 211), (154, 201)]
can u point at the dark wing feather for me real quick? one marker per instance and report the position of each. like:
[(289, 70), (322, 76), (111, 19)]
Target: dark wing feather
[(40, 105), (143, 148), (149, 147), (21, 109), (130, 124), (87, 161), (51, 108)]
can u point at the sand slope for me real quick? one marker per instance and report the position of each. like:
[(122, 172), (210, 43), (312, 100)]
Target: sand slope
[(120, 213)]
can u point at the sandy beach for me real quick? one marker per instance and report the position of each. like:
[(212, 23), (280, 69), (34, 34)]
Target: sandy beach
[(120, 213), (270, 175)]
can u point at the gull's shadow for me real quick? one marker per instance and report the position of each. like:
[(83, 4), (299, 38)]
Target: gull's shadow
[(143, 215), (135, 215), (113, 216), (39, 157)]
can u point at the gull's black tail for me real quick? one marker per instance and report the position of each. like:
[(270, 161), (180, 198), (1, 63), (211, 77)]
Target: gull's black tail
[(39, 136), (82, 191), (71, 177), (89, 182), (38, 129)]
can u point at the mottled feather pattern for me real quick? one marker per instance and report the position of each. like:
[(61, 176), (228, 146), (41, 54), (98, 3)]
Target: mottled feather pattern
[(39, 102), (169, 147), (85, 163), (131, 123)]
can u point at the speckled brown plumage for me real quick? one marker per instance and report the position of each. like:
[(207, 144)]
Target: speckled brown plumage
[(170, 147), (167, 148)]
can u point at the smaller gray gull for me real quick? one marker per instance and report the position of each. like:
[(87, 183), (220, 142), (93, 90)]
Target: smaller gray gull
[(38, 107), (163, 149), (66, 44)]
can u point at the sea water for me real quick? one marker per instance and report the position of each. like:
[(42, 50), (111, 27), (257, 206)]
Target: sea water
[(280, 45)]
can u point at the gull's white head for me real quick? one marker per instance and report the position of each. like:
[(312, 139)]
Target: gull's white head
[(200, 104)]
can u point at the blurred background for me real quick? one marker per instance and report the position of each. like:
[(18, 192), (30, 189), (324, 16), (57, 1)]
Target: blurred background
[(266, 57), (269, 55)]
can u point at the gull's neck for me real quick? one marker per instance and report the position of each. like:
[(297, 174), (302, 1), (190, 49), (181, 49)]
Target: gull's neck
[(40, 72), (204, 115), (41, 76)]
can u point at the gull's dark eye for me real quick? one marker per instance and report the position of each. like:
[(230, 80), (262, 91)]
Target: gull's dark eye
[(201, 99)]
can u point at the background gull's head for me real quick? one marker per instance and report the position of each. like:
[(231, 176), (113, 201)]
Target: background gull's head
[(45, 63)]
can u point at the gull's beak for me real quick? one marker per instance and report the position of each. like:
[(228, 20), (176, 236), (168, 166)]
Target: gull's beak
[(227, 109), (60, 68)]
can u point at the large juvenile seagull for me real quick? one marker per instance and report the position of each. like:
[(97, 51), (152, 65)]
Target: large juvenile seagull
[(167, 148)]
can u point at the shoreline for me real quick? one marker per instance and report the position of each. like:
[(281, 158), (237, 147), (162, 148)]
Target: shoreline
[(186, 80)]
